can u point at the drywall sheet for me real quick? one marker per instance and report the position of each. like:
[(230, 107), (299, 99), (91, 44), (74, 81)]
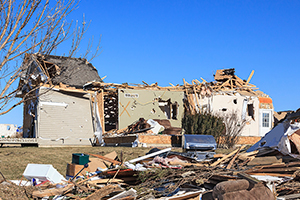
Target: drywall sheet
[(149, 104)]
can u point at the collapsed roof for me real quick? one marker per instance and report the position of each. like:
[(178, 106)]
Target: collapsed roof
[(74, 72)]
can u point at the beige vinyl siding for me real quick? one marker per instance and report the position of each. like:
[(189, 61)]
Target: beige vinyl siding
[(64, 115)]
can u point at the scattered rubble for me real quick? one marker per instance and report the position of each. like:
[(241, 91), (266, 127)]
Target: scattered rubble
[(264, 173)]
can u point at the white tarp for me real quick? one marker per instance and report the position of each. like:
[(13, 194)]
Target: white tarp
[(278, 137)]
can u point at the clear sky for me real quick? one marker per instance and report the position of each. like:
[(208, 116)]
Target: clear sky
[(165, 41)]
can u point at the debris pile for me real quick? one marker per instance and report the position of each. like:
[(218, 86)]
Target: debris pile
[(265, 174)]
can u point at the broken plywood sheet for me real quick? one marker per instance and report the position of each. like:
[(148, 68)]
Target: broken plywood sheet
[(96, 162)]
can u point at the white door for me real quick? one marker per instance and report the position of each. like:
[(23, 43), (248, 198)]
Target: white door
[(265, 121)]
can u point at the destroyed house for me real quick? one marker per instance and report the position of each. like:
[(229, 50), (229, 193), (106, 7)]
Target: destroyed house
[(230, 94), (71, 105), (59, 111), (124, 104)]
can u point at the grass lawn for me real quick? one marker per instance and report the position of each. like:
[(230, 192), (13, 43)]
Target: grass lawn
[(13, 160)]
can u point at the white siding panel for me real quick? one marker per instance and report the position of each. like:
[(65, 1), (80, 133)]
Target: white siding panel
[(66, 117)]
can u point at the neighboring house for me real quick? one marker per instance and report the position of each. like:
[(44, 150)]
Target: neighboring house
[(54, 113), (8, 130)]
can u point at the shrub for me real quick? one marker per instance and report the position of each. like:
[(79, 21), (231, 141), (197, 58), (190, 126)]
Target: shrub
[(203, 123), (225, 128)]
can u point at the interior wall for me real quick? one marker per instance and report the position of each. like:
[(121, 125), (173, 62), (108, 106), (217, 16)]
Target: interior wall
[(149, 104)]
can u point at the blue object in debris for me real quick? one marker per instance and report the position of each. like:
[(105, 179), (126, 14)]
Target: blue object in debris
[(165, 189)]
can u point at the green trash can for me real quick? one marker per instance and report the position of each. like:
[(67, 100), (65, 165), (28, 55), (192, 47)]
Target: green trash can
[(80, 158)]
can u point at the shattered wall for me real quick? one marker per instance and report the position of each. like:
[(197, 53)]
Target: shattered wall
[(150, 104), (64, 118), (246, 108)]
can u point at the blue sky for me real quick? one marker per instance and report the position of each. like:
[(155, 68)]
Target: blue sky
[(166, 41)]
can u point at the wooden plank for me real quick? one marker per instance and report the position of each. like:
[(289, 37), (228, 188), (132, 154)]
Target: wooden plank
[(287, 169), (270, 174), (100, 104), (52, 192), (249, 78), (225, 157), (220, 155), (191, 105), (249, 178), (103, 192), (244, 156), (101, 181), (233, 159), (196, 97), (105, 158)]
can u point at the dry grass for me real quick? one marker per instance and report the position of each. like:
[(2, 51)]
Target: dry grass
[(13, 160)]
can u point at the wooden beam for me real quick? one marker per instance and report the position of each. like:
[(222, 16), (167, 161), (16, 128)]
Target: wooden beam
[(227, 156), (233, 159), (106, 190), (52, 192), (250, 76), (100, 104), (270, 174), (249, 178)]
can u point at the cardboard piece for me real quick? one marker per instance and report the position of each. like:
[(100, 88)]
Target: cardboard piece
[(73, 169), (96, 162)]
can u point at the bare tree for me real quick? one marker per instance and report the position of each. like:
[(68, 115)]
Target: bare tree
[(234, 125), (31, 26)]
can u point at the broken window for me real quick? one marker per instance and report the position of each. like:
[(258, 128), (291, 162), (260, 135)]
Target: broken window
[(165, 107), (169, 109), (174, 110), (250, 109)]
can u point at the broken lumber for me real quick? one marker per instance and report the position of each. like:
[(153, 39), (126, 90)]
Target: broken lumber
[(225, 157), (248, 178), (233, 159), (52, 191), (270, 174), (105, 181), (244, 156), (106, 190)]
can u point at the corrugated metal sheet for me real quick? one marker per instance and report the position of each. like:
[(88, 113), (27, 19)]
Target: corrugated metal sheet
[(64, 115)]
